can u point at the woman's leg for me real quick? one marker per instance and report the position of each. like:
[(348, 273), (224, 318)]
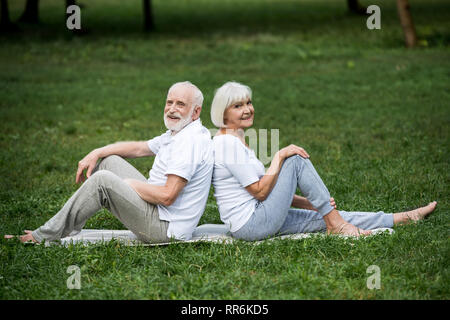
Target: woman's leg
[(414, 215), (305, 221), (105, 189), (271, 213)]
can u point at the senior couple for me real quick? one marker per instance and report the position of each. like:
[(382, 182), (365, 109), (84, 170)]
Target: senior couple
[(254, 202)]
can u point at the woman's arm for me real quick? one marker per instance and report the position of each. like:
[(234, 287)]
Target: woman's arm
[(262, 188), (303, 203)]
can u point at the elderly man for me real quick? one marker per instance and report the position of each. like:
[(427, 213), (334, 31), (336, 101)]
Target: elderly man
[(167, 205)]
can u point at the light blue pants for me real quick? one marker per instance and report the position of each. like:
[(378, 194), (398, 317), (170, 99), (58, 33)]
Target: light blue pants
[(274, 215)]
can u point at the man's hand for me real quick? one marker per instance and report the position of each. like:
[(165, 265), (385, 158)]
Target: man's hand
[(88, 163), (126, 149)]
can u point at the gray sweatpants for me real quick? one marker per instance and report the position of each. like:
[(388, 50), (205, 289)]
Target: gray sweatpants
[(106, 189)]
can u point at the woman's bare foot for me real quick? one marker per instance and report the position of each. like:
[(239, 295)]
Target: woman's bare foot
[(414, 215), (348, 229), (27, 237), (337, 225)]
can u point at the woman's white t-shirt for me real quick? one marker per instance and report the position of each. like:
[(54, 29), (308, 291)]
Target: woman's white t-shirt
[(235, 167)]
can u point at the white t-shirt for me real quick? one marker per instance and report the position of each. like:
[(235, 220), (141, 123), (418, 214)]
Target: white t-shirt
[(235, 167), (188, 154)]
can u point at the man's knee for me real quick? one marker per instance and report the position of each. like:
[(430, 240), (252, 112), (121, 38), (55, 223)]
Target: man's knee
[(102, 177), (112, 158), (109, 161)]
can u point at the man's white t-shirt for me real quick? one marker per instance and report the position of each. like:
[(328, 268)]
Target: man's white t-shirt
[(235, 167), (188, 154)]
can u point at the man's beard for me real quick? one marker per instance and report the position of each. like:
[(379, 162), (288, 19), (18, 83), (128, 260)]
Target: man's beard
[(181, 123)]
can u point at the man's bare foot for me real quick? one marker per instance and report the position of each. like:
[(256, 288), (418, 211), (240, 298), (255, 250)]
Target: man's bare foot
[(27, 237), (347, 229), (414, 215)]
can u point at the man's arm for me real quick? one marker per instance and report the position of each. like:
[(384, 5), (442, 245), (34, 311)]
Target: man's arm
[(130, 149), (165, 195)]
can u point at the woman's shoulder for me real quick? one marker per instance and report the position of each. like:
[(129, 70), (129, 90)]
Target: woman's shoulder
[(225, 136), (227, 146), (226, 139)]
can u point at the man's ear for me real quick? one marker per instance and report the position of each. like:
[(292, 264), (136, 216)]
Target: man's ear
[(196, 113)]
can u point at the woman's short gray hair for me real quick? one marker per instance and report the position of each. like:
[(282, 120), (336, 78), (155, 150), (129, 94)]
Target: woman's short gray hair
[(198, 95), (225, 96)]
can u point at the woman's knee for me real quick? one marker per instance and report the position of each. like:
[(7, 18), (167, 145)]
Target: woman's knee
[(294, 160)]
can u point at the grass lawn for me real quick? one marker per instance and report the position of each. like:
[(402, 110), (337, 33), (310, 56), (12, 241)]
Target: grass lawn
[(373, 116)]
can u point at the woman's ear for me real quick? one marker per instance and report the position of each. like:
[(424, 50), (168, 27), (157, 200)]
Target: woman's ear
[(225, 118)]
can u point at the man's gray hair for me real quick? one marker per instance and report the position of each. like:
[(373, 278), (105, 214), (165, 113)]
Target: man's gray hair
[(198, 95)]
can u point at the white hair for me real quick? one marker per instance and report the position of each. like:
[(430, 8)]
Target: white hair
[(225, 96), (198, 96)]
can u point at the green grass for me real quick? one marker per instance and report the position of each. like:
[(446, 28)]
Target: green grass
[(373, 116)]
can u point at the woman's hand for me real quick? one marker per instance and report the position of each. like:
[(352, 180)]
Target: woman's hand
[(333, 203), (292, 150)]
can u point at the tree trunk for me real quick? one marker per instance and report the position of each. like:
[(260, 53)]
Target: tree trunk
[(31, 12), (148, 15), (4, 19), (5, 22), (407, 23), (355, 7)]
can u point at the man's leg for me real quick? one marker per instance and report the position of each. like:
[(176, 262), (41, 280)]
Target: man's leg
[(105, 189), (120, 167)]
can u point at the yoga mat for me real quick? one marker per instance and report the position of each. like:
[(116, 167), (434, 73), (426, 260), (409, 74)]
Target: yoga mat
[(218, 233)]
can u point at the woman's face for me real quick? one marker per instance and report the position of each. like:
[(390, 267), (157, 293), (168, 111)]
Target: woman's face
[(239, 115)]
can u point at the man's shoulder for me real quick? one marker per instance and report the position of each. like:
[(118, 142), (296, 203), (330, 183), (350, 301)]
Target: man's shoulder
[(165, 134), (201, 136)]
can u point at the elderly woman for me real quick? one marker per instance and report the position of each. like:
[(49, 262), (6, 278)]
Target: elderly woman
[(256, 203)]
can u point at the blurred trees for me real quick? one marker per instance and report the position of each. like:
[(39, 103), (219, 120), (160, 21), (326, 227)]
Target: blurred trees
[(31, 12), (356, 7), (31, 15)]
